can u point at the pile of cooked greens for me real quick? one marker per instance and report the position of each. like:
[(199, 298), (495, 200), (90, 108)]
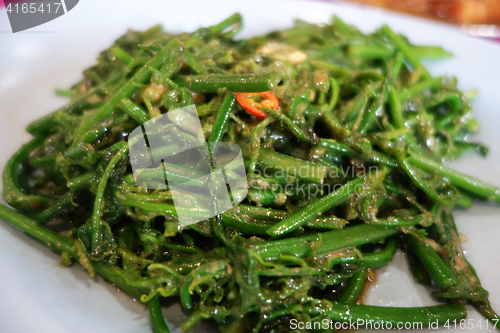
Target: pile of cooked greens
[(343, 135)]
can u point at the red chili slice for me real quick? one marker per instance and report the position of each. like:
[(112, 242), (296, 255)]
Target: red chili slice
[(269, 101)]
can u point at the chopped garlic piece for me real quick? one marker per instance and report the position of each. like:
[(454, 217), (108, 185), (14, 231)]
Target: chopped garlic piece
[(280, 199), (296, 57), (283, 52)]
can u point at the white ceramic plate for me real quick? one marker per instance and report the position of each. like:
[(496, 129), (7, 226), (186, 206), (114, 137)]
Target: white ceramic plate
[(38, 295)]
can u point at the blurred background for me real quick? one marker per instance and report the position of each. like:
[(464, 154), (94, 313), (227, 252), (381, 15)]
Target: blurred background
[(476, 17)]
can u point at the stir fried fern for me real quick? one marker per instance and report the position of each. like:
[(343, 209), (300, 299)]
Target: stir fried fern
[(342, 134)]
